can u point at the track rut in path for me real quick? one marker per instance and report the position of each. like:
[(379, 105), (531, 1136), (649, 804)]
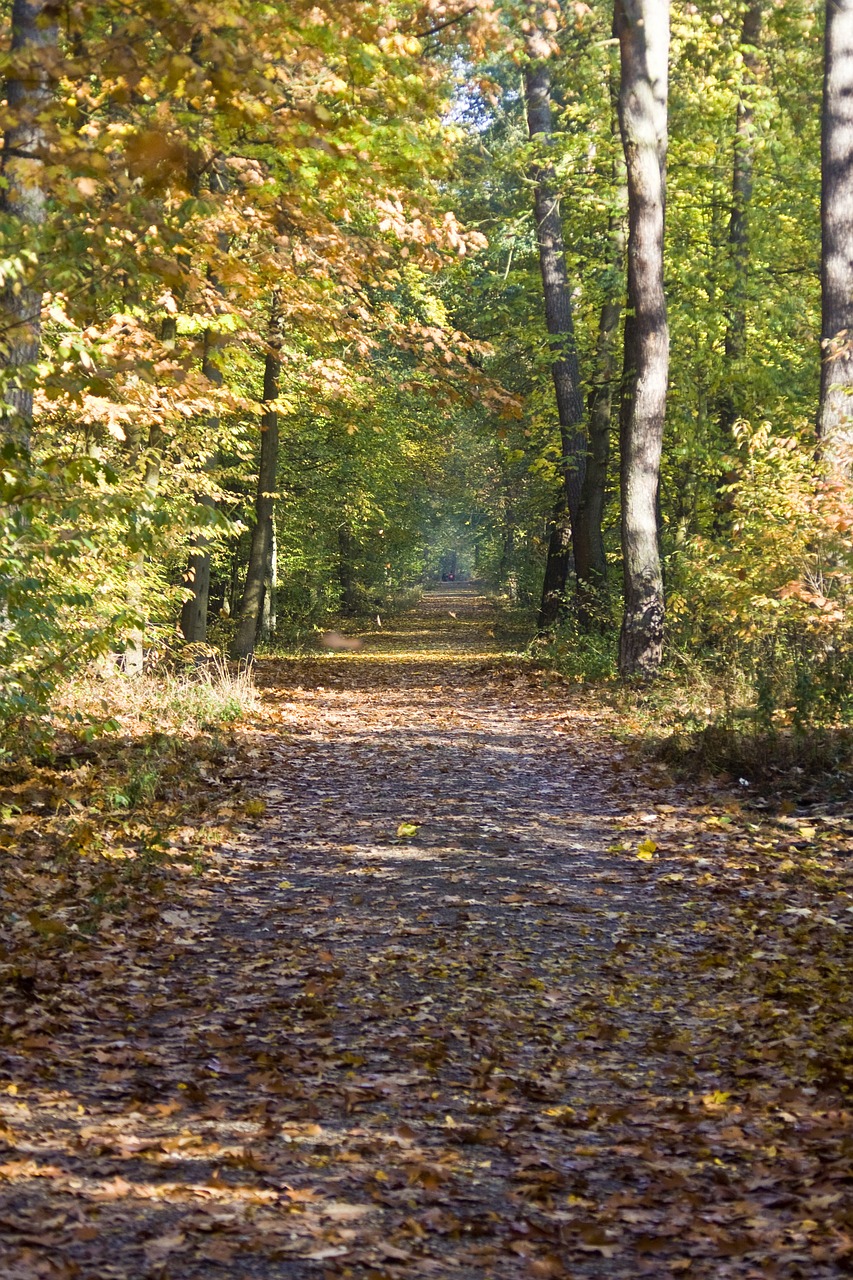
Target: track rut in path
[(422, 1021)]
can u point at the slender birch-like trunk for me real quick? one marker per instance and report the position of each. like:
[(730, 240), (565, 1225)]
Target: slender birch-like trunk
[(835, 415), (29, 89), (742, 183)]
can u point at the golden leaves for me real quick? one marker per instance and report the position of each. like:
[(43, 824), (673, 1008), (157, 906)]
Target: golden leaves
[(157, 160)]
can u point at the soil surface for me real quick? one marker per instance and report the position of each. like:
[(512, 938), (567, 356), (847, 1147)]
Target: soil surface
[(450, 1007)]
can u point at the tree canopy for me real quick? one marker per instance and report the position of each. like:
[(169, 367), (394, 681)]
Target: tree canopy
[(363, 194)]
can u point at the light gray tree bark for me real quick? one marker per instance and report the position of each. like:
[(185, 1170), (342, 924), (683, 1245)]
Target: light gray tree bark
[(743, 168), (642, 27), (29, 88), (835, 415)]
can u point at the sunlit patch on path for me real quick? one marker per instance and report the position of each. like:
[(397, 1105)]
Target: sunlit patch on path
[(433, 1016)]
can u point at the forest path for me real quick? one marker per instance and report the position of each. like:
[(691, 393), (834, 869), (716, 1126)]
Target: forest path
[(432, 1017)]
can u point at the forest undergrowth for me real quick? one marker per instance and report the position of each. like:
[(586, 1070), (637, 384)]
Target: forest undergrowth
[(425, 966)]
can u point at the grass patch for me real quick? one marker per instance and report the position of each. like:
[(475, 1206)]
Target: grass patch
[(201, 698)]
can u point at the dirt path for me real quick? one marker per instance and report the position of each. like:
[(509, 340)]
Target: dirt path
[(432, 1017)]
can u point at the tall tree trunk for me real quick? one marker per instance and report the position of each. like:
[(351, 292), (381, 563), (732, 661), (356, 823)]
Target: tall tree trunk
[(564, 368), (742, 182), (836, 383), (29, 87), (594, 611), (643, 30), (251, 605)]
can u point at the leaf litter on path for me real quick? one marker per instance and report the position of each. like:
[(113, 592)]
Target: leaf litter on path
[(473, 991)]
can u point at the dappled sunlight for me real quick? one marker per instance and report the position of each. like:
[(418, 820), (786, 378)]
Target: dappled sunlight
[(447, 657), (458, 960)]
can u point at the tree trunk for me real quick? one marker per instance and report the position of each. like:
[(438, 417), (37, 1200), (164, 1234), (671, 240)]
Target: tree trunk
[(643, 30), (269, 619), (251, 605), (197, 579), (742, 182), (29, 88), (553, 605), (836, 383), (593, 604), (564, 368)]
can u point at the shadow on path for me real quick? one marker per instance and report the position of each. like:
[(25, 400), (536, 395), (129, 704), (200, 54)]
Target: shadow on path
[(421, 1022)]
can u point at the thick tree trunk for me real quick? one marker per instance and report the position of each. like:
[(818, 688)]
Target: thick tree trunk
[(560, 324), (835, 417), (594, 610), (197, 579), (29, 88), (643, 30), (252, 603), (742, 182)]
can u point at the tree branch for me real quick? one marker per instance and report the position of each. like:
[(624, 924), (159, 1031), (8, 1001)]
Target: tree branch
[(440, 26)]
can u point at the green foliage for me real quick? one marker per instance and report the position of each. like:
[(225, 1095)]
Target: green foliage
[(580, 656), (772, 599), (53, 618)]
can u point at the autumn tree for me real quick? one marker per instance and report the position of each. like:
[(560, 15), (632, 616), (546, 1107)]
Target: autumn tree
[(642, 27)]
